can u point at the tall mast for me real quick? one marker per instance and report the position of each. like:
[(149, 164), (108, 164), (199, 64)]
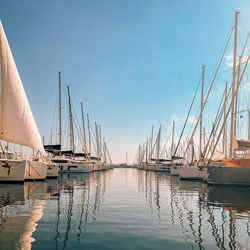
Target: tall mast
[(208, 93), (236, 98), (151, 141), (104, 151), (83, 128), (233, 84), (204, 141), (126, 157), (139, 154), (248, 125), (97, 141), (158, 144), (100, 142), (72, 145), (60, 112), (224, 141), (89, 135), (202, 90), (172, 144)]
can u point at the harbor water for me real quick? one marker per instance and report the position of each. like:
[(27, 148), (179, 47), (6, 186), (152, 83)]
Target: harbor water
[(123, 209)]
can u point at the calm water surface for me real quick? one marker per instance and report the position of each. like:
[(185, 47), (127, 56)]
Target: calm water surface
[(123, 209)]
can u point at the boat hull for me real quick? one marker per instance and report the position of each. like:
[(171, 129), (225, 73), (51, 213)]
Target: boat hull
[(240, 162), (140, 167), (162, 168), (52, 171), (97, 166), (75, 168), (105, 167), (175, 170), (35, 170), (192, 173), (149, 168), (12, 170), (224, 175)]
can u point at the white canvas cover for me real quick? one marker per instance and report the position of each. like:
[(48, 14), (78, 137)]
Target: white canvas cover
[(17, 124)]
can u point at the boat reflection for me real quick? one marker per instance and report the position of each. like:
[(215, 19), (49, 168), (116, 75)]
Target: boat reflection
[(207, 215), (89, 209), (21, 207), (78, 203)]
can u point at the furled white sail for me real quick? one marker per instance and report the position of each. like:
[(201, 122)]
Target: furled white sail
[(17, 124)]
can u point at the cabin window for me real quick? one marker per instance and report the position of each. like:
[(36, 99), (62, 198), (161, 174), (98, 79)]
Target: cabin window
[(69, 167)]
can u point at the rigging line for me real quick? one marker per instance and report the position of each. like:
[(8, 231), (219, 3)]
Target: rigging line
[(78, 123), (92, 140), (78, 127), (192, 124), (186, 118), (162, 151), (34, 170), (210, 88), (78, 133), (230, 107), (243, 26), (53, 117), (220, 54), (152, 152), (217, 122)]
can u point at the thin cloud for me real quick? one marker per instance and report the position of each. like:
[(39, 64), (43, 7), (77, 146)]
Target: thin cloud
[(246, 87), (229, 60), (191, 119)]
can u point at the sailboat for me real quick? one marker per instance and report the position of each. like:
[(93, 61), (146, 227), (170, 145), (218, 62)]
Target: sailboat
[(17, 124), (65, 161), (195, 172), (243, 146), (236, 167)]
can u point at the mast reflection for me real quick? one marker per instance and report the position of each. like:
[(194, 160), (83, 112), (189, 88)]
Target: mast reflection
[(214, 215)]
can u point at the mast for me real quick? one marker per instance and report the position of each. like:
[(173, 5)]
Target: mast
[(204, 141), (248, 125), (208, 93), (72, 144), (230, 106), (233, 84), (139, 154), (224, 141), (97, 140), (60, 112), (83, 128), (236, 98), (202, 90), (126, 157), (89, 135), (158, 145), (151, 140), (100, 142), (172, 145), (104, 152)]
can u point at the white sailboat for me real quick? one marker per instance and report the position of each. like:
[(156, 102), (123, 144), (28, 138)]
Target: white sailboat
[(17, 124)]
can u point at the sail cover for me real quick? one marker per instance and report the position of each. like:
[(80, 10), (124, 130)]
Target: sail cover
[(17, 124)]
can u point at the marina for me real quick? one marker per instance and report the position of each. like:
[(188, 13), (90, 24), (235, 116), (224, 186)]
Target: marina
[(124, 125)]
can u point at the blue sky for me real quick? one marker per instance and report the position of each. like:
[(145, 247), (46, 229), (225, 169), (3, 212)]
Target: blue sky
[(132, 63)]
